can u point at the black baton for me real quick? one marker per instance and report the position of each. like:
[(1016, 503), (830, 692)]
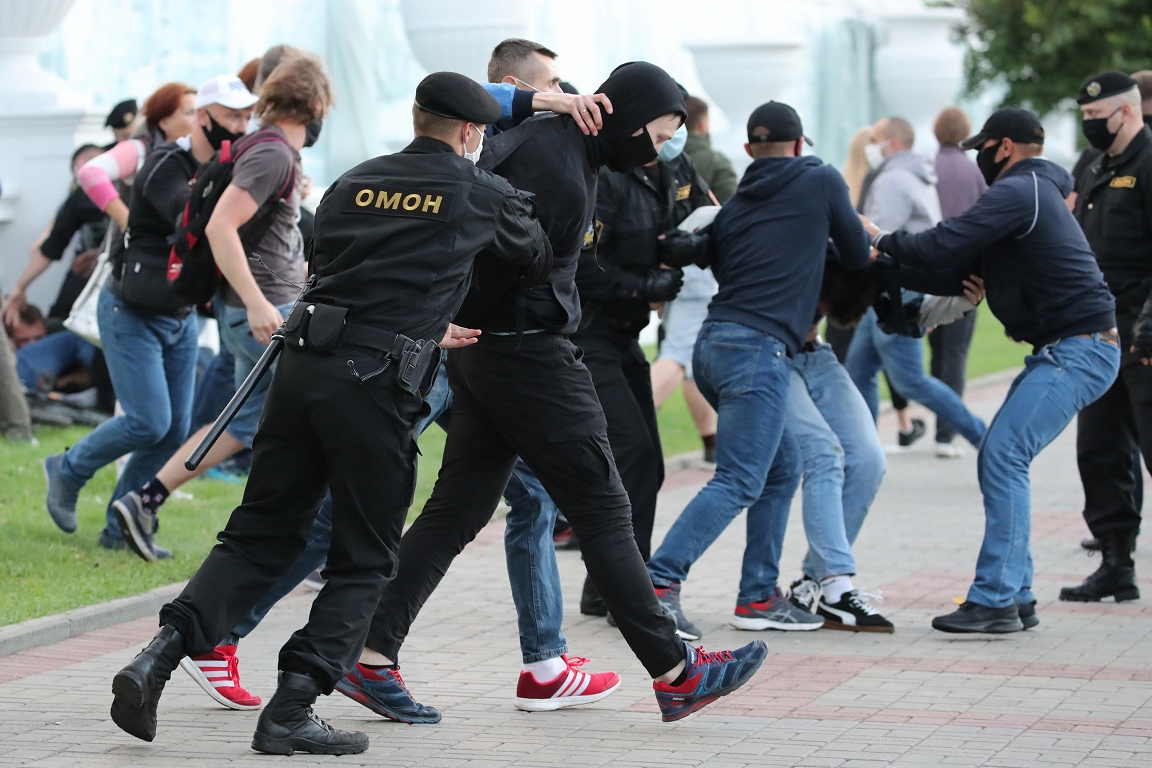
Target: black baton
[(271, 352)]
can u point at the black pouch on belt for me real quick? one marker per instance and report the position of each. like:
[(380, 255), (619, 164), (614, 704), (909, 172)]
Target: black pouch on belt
[(318, 327), (419, 363)]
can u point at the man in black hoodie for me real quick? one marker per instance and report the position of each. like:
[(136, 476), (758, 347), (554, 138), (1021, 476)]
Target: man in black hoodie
[(1044, 286), (770, 241), (523, 390)]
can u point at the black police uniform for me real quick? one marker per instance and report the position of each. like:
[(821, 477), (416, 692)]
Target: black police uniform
[(1114, 207), (395, 242), (618, 276), (531, 395)]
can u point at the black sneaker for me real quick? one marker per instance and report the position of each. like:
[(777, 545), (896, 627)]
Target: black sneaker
[(805, 594), (973, 617), (669, 598), (137, 523), (1028, 614), (905, 439), (853, 612)]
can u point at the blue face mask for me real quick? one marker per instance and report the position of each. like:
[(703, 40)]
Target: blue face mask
[(675, 145)]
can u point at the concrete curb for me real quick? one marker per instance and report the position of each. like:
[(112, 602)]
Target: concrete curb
[(52, 629)]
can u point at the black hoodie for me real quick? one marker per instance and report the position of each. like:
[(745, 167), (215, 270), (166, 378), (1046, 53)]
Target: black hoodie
[(551, 158)]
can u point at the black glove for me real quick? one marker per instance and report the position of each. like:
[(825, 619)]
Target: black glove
[(660, 285), (680, 248), (1142, 335)]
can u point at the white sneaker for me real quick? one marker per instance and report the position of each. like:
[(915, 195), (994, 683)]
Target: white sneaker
[(948, 451)]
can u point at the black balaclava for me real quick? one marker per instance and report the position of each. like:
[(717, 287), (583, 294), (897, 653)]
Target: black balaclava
[(640, 93)]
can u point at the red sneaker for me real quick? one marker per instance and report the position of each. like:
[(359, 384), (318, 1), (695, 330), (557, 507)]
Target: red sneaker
[(571, 688), (218, 673)]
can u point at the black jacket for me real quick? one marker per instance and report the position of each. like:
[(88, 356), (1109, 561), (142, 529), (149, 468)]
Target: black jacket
[(396, 238), (1041, 277), (620, 248)]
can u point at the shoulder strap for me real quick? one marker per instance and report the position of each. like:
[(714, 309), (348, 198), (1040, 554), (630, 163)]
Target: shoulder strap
[(163, 158)]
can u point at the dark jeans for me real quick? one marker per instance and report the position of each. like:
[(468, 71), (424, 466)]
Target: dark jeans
[(536, 401), (623, 381), (950, 345), (321, 429), (1111, 433)]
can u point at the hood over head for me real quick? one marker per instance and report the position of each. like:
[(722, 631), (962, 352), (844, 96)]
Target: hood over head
[(640, 93), (768, 175), (920, 166)]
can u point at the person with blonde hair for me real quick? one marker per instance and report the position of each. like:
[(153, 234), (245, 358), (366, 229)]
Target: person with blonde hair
[(856, 166)]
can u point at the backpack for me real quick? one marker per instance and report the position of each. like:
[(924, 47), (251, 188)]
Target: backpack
[(192, 271)]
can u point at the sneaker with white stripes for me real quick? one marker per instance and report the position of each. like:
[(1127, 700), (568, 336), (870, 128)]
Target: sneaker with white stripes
[(854, 612), (570, 688), (218, 673)]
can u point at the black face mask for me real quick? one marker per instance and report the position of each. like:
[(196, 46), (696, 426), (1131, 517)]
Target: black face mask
[(632, 153), (1097, 133), (312, 131), (218, 134), (985, 161)]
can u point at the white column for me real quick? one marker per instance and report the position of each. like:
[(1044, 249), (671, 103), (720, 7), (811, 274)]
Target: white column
[(453, 36), (38, 118)]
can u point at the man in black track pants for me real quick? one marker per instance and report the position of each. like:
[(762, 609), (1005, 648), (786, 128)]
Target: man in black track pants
[(396, 239), (523, 390)]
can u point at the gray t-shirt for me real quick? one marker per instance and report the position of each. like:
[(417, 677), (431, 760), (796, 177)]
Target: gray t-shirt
[(262, 171)]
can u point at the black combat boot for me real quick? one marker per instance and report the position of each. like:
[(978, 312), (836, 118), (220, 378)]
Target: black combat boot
[(288, 725), (1116, 576), (591, 604), (136, 688)]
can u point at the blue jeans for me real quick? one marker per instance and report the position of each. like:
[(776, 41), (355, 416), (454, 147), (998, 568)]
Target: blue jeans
[(1056, 383), (51, 356), (744, 374), (214, 388), (236, 335), (532, 570), (152, 362), (902, 358), (851, 438)]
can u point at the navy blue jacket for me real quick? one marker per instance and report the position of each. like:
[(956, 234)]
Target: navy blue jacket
[(1042, 280), (770, 240)]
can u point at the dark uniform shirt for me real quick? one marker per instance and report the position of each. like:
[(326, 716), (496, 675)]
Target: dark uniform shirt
[(396, 237), (1114, 208), (620, 247)]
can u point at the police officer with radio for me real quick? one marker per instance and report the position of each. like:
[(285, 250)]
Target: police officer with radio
[(1114, 208), (396, 238)]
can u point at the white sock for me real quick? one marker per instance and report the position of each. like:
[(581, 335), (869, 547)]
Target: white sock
[(834, 588), (546, 670)]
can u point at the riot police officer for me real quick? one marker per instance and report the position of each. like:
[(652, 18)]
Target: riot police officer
[(1114, 208), (396, 238), (620, 279)]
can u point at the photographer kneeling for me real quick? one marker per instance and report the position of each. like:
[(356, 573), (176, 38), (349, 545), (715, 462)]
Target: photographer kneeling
[(1043, 284)]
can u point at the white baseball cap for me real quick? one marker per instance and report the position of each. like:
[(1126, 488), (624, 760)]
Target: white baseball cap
[(225, 90)]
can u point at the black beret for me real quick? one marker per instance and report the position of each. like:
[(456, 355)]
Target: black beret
[(1016, 123), (1103, 85), (452, 95), (122, 114)]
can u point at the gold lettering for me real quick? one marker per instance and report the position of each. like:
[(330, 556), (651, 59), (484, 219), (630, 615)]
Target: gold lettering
[(415, 202), (361, 200), (388, 201), (433, 204)]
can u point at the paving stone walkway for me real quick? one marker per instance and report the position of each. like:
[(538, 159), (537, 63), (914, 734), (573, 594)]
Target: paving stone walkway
[(1077, 690)]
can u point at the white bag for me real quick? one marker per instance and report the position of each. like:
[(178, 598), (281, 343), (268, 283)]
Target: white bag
[(81, 319)]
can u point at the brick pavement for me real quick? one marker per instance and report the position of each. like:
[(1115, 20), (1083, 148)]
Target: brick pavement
[(1077, 690)]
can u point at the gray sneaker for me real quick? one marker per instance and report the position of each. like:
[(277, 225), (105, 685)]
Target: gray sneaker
[(669, 598), (137, 522), (805, 593), (61, 496), (774, 613), (117, 543)]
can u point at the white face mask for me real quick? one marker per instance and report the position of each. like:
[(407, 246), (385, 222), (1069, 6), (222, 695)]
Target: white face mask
[(874, 154), (474, 155)]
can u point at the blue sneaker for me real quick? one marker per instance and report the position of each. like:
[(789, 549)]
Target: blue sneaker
[(61, 496), (709, 676), (383, 691)]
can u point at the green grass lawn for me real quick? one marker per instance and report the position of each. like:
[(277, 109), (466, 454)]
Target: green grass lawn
[(45, 571)]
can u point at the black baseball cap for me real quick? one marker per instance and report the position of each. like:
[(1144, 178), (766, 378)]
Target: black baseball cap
[(1103, 85), (122, 114), (781, 120), (452, 95), (1016, 123)]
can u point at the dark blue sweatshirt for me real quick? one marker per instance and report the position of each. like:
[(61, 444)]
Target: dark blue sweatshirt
[(771, 238), (1042, 280)]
